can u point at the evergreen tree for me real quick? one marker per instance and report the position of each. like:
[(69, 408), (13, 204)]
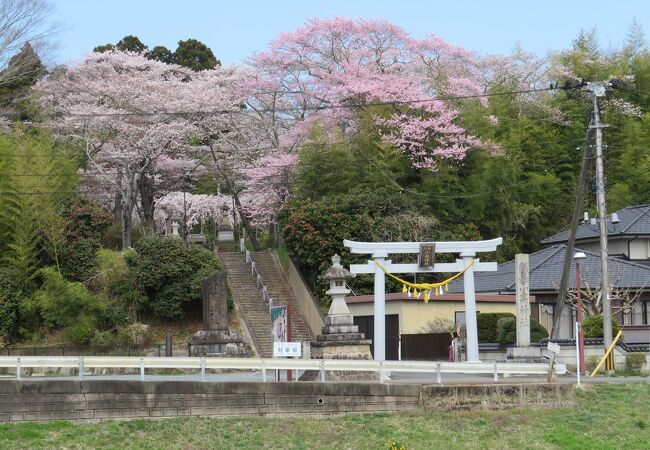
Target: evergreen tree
[(195, 55)]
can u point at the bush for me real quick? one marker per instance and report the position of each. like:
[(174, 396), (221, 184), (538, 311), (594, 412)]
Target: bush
[(635, 362), (508, 334), (103, 339), (169, 272), (592, 362), (593, 326), (486, 324), (60, 303), (81, 332), (134, 334), (88, 223)]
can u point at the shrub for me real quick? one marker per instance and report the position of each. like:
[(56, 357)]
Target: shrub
[(487, 325), (169, 272), (508, 334), (635, 362), (593, 326), (59, 303), (82, 331), (88, 223), (134, 334), (103, 339), (592, 362)]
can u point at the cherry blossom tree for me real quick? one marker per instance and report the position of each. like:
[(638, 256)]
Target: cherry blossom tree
[(324, 71), (126, 111)]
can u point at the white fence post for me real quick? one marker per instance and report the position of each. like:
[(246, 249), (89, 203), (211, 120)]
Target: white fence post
[(438, 374), (496, 374), (81, 367), (202, 369), (263, 372), (18, 368), (322, 371), (142, 369)]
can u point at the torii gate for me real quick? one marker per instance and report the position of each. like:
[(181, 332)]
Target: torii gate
[(380, 251)]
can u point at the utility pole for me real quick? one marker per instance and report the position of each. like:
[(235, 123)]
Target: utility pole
[(568, 257), (597, 90)]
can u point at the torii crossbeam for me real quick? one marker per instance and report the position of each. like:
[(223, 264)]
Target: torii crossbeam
[(467, 250)]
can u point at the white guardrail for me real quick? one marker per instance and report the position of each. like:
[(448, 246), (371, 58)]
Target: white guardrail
[(82, 363)]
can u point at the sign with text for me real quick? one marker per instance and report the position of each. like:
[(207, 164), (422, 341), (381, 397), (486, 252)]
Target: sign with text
[(553, 348), (427, 256), (287, 349)]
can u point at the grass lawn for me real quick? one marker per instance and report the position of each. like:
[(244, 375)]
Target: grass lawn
[(613, 416)]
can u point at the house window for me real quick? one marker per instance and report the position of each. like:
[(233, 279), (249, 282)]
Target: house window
[(645, 312)]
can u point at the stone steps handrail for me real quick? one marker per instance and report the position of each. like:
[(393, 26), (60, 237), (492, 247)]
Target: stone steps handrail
[(82, 363), (258, 278)]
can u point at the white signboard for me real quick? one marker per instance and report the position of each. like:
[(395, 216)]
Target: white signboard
[(553, 348), (287, 349)]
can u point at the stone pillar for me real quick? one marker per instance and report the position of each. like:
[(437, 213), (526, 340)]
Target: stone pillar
[(522, 287), (380, 312), (471, 328)]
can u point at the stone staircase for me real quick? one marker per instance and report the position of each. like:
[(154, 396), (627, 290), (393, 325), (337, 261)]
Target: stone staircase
[(248, 297)]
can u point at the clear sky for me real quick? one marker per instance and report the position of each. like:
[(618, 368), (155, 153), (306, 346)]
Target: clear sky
[(235, 29)]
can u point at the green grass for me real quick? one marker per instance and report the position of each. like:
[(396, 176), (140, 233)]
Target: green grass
[(613, 416)]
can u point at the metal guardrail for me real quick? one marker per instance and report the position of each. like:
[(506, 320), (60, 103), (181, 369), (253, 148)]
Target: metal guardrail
[(258, 278), (82, 363)]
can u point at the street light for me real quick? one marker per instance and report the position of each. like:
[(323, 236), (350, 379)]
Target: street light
[(579, 257)]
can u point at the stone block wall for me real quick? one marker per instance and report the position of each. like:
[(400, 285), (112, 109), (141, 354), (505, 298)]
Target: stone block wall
[(497, 396), (94, 400)]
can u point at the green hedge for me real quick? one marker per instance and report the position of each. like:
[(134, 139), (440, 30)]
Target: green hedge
[(508, 334), (487, 325), (593, 326)]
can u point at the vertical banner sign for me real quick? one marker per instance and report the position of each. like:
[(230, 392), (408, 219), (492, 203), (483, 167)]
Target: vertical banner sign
[(427, 256), (279, 323)]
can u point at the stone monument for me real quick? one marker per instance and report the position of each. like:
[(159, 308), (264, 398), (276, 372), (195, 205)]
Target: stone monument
[(523, 352), (216, 339), (341, 338)]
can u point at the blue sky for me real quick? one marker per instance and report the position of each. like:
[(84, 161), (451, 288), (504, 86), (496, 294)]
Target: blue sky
[(235, 29)]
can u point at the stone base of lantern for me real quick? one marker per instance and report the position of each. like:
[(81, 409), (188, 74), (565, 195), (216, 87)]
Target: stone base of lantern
[(224, 343), (341, 340)]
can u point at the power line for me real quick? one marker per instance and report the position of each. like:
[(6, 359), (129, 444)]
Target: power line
[(324, 107)]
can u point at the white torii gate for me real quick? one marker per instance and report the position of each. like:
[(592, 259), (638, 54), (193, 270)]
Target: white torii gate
[(380, 251)]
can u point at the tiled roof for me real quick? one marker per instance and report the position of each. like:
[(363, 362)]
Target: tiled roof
[(546, 271), (633, 220)]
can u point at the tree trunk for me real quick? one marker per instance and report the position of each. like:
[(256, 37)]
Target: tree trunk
[(146, 187), (126, 226), (250, 232)]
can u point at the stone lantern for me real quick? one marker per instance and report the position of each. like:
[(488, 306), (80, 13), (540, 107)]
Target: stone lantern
[(341, 338), (339, 313)]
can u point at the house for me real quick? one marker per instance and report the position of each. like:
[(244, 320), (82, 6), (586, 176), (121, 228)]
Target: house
[(408, 315), (630, 282), (628, 234)]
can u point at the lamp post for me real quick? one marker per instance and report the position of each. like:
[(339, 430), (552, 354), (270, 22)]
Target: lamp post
[(578, 257)]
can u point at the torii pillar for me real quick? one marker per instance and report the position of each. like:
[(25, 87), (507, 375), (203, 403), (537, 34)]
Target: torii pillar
[(467, 250)]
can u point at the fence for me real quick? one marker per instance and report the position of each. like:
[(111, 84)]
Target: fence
[(81, 363), (94, 350)]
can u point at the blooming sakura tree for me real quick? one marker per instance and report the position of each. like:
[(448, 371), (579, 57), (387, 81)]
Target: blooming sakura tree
[(322, 72), (128, 111), (195, 207)]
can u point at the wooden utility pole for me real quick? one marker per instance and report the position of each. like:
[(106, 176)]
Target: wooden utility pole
[(568, 257)]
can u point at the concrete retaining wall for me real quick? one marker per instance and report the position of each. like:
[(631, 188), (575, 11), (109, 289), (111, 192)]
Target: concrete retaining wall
[(95, 400), (497, 396), (99, 400)]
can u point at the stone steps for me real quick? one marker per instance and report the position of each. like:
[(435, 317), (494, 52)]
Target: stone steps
[(254, 309)]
